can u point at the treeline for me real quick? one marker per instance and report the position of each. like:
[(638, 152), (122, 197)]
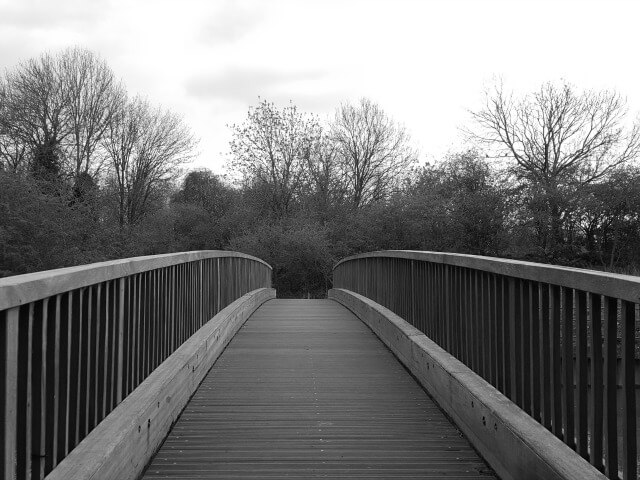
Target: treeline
[(88, 174), (83, 165)]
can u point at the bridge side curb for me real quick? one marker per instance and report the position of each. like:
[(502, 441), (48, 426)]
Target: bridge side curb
[(514, 444), (121, 446)]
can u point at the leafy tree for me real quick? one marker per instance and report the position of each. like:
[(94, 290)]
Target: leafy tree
[(40, 231), (299, 252), (201, 207), (205, 189), (457, 206), (271, 150), (608, 219)]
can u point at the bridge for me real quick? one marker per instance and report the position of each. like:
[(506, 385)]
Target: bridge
[(418, 365)]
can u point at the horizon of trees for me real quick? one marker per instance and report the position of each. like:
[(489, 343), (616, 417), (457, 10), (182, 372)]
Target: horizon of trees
[(88, 173)]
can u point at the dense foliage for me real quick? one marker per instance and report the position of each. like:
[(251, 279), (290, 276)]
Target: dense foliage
[(88, 174)]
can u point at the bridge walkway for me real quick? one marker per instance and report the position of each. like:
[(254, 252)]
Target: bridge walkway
[(306, 390)]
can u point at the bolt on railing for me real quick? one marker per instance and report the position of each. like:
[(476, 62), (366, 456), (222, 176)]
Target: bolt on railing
[(75, 341), (530, 330)]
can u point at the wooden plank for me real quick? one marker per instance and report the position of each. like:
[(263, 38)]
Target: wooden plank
[(582, 374), (567, 368), (98, 345), (23, 411), (476, 321), (218, 286), (483, 331), (499, 343), (629, 419), (468, 295), (610, 317), (69, 371), (459, 312), (80, 357), (595, 308), (458, 332), (307, 390), (152, 306), (128, 337), (113, 350), (166, 289), (55, 417), (91, 352), (625, 287), (65, 373), (506, 336), (9, 391), (83, 384), (144, 331), (136, 338), (39, 394), (514, 332), (492, 287), (173, 310), (22, 289), (120, 341), (525, 346), (29, 399), (555, 298), (534, 349), (104, 350), (157, 300), (545, 356)]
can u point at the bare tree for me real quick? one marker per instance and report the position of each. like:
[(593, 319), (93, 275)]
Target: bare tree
[(146, 147), (326, 187), (13, 151), (557, 135), (272, 148), (560, 140), (374, 151), (34, 113), (94, 98), (55, 109)]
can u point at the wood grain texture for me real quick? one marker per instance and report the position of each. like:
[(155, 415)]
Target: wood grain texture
[(22, 289), (306, 390), (626, 287)]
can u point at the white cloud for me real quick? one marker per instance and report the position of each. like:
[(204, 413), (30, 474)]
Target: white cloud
[(245, 84), (425, 62), (232, 21)]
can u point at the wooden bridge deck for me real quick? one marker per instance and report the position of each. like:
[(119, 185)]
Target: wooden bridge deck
[(306, 390)]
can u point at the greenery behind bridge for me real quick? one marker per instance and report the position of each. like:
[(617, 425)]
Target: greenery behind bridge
[(88, 173)]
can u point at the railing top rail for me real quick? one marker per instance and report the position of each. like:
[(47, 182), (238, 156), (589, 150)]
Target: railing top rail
[(22, 289), (625, 287)]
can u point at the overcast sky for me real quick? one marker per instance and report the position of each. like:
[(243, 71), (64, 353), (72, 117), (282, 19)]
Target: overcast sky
[(425, 62)]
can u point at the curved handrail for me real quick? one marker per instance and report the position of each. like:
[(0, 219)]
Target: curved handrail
[(530, 330), (76, 341), (624, 287), (30, 287)]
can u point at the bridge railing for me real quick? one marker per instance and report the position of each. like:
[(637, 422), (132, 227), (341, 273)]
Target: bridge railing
[(75, 341), (530, 330)]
